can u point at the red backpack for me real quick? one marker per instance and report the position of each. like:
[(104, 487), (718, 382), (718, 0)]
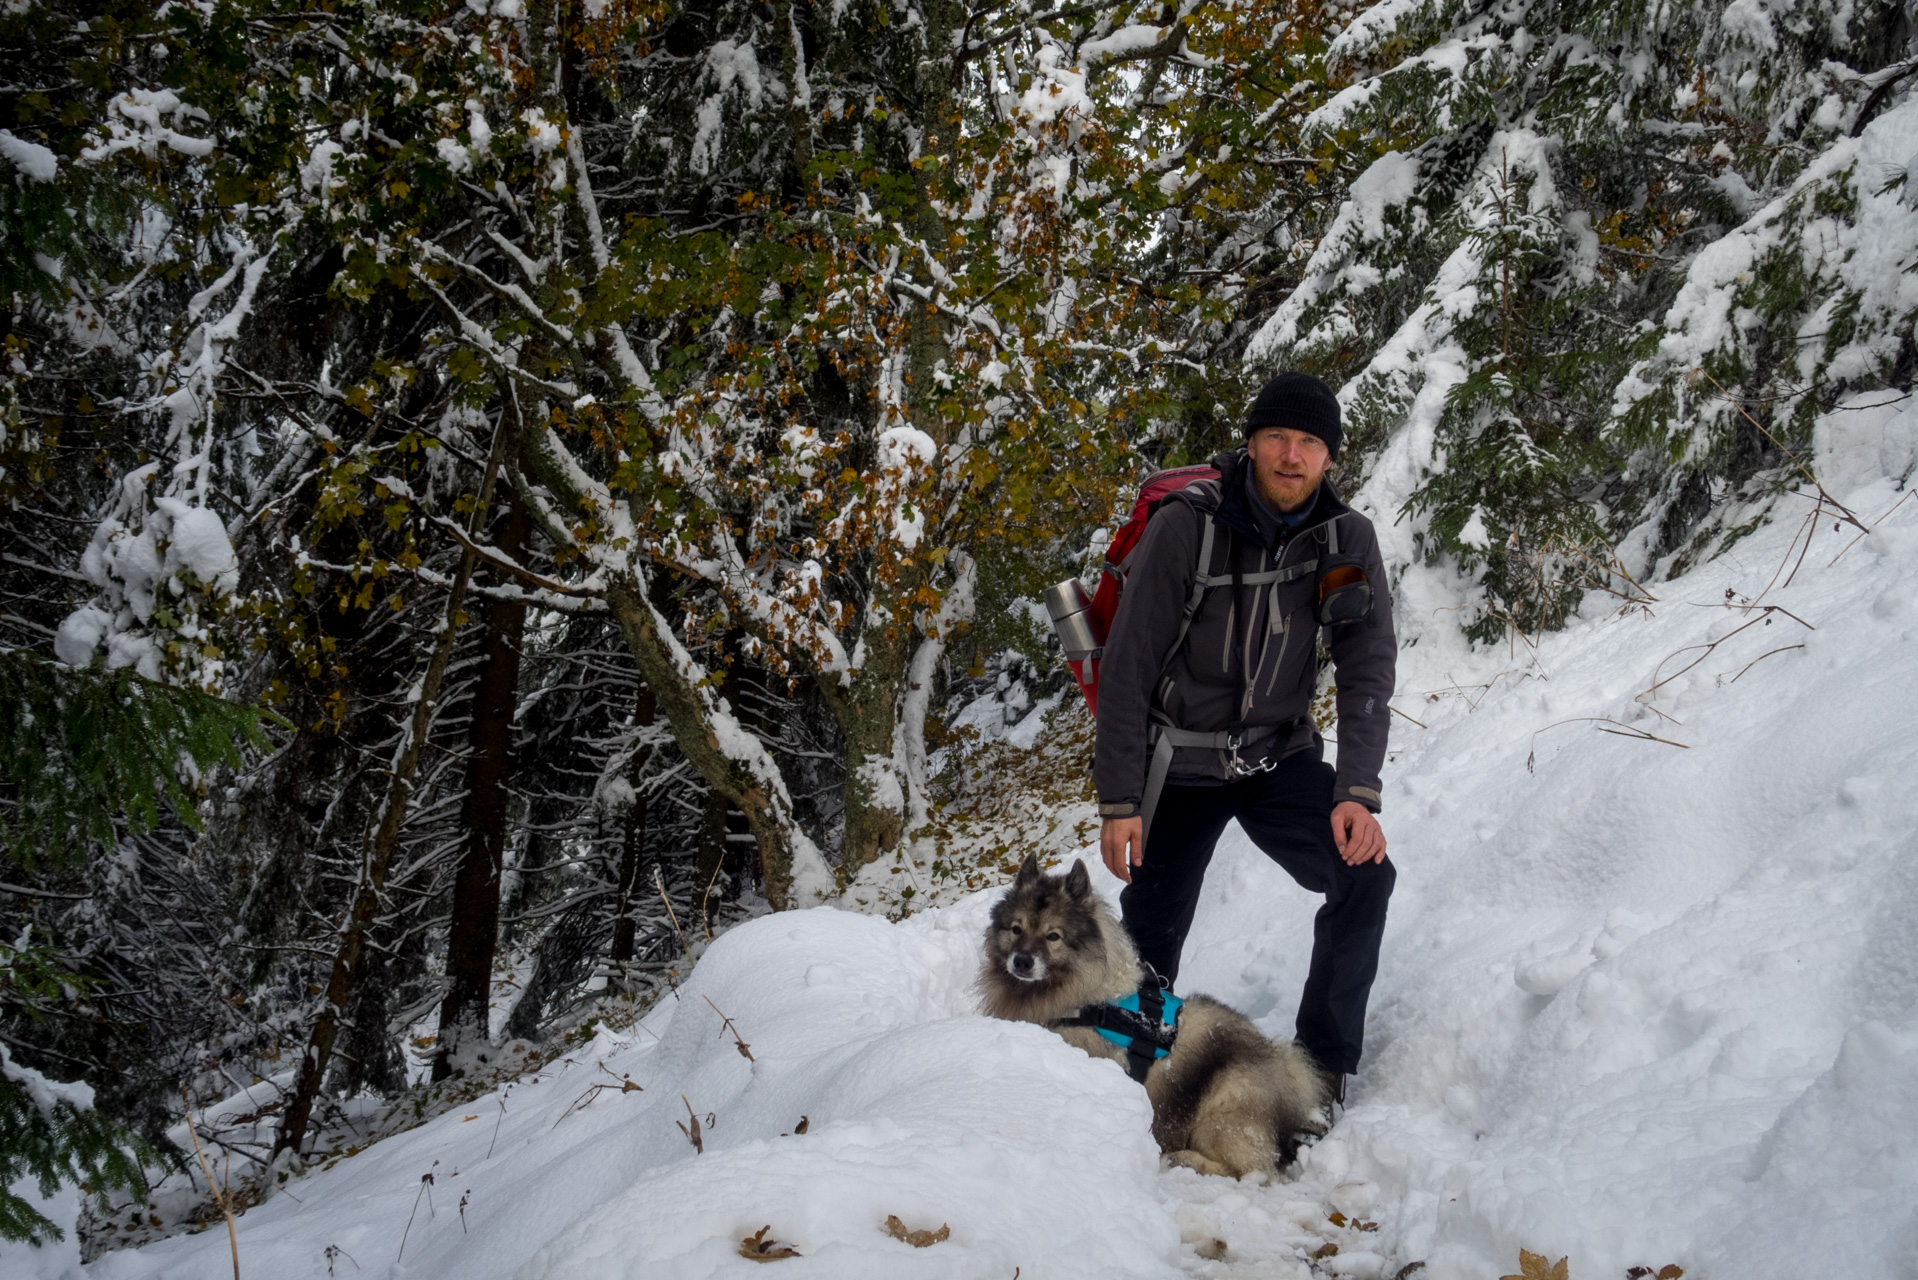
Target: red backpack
[(1083, 621)]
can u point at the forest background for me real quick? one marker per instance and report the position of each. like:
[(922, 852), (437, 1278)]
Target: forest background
[(487, 490)]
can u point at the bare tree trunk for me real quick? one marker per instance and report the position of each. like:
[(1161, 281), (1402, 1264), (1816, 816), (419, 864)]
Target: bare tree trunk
[(377, 859), (473, 938), (745, 776), (633, 862), (710, 853)]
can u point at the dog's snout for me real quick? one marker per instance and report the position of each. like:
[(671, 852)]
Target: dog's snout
[(1026, 966)]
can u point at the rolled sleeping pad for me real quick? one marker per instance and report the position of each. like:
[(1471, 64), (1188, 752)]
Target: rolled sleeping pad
[(1069, 606)]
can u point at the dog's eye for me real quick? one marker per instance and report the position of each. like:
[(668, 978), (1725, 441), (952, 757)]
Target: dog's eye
[(1015, 928), (1053, 936)]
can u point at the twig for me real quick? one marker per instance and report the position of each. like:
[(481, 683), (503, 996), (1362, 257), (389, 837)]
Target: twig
[(705, 916), (693, 1134), (426, 1183), (1390, 707), (219, 1197), (623, 1084), (659, 882), (1843, 511), (745, 1050), (496, 1124), (1705, 650), (1622, 730), (1875, 520), (1761, 657)]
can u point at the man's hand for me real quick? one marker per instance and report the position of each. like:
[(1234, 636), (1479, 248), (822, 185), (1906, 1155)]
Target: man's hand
[(1354, 829), (1119, 837)]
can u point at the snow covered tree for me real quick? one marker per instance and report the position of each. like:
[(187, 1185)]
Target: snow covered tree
[(1537, 196)]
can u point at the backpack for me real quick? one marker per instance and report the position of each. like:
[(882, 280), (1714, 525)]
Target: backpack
[(1083, 621)]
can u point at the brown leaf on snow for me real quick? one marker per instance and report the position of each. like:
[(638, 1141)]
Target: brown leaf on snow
[(917, 1239), (1212, 1250), (761, 1247), (1533, 1266)]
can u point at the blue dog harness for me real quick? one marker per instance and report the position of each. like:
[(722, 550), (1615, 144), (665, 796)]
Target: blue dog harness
[(1145, 1024)]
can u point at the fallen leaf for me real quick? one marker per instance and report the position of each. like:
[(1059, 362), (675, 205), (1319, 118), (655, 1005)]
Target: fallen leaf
[(1533, 1266), (804, 1123), (762, 1248), (1670, 1271), (1212, 1250), (1326, 1250), (917, 1239), (1336, 1219)]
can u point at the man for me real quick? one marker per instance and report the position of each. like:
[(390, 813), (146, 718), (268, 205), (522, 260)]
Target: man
[(1217, 714)]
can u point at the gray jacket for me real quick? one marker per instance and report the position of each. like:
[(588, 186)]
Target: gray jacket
[(1256, 642)]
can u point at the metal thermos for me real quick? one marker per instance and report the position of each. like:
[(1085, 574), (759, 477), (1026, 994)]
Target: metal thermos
[(1070, 608)]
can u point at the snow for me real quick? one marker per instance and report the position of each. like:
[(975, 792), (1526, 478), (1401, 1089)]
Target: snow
[(317, 173), (29, 158), (44, 1093), (1640, 1003)]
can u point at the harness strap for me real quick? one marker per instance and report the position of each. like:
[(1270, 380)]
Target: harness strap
[(1142, 1053), (1143, 1033), (1166, 736)]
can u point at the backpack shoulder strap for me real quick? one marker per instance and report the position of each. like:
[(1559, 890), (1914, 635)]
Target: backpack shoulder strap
[(1203, 497), (1195, 597)]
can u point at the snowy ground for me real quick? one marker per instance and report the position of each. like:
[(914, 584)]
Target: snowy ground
[(1640, 1004)]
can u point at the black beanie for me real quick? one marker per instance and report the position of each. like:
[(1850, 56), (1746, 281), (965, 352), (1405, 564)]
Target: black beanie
[(1301, 402)]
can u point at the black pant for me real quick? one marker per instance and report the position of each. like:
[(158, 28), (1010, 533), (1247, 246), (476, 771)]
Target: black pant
[(1287, 812)]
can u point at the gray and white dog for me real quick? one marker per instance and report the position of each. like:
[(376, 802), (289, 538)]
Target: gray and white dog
[(1225, 1100)]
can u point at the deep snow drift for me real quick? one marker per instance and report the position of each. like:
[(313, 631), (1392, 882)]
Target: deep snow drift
[(1640, 1004)]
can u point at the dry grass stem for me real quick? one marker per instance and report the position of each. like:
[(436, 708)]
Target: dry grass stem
[(426, 1189), (620, 1084), (219, 1194), (659, 882), (1617, 727), (739, 1041)]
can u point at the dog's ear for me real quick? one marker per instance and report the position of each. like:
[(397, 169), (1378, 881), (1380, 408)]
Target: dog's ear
[(1028, 870), (1078, 881)]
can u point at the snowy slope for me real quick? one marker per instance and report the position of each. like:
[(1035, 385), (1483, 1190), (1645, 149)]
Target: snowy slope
[(1640, 1004)]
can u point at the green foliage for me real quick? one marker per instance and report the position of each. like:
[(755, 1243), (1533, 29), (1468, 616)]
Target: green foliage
[(88, 753), (48, 1135)]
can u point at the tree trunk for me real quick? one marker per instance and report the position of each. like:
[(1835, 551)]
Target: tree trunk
[(710, 853), (377, 858), (875, 787), (634, 873), (736, 765), (473, 939)]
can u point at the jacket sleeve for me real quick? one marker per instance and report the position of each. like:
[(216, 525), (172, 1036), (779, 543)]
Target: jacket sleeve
[(1365, 668), (1159, 578)]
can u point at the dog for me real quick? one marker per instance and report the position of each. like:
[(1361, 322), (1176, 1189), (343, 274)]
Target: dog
[(1226, 1100)]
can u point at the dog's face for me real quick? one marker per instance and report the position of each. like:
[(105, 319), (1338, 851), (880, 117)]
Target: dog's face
[(1045, 927)]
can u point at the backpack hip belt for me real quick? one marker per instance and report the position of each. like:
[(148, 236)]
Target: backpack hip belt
[(1166, 737)]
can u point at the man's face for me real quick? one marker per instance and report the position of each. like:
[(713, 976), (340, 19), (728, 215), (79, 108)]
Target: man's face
[(1287, 465)]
